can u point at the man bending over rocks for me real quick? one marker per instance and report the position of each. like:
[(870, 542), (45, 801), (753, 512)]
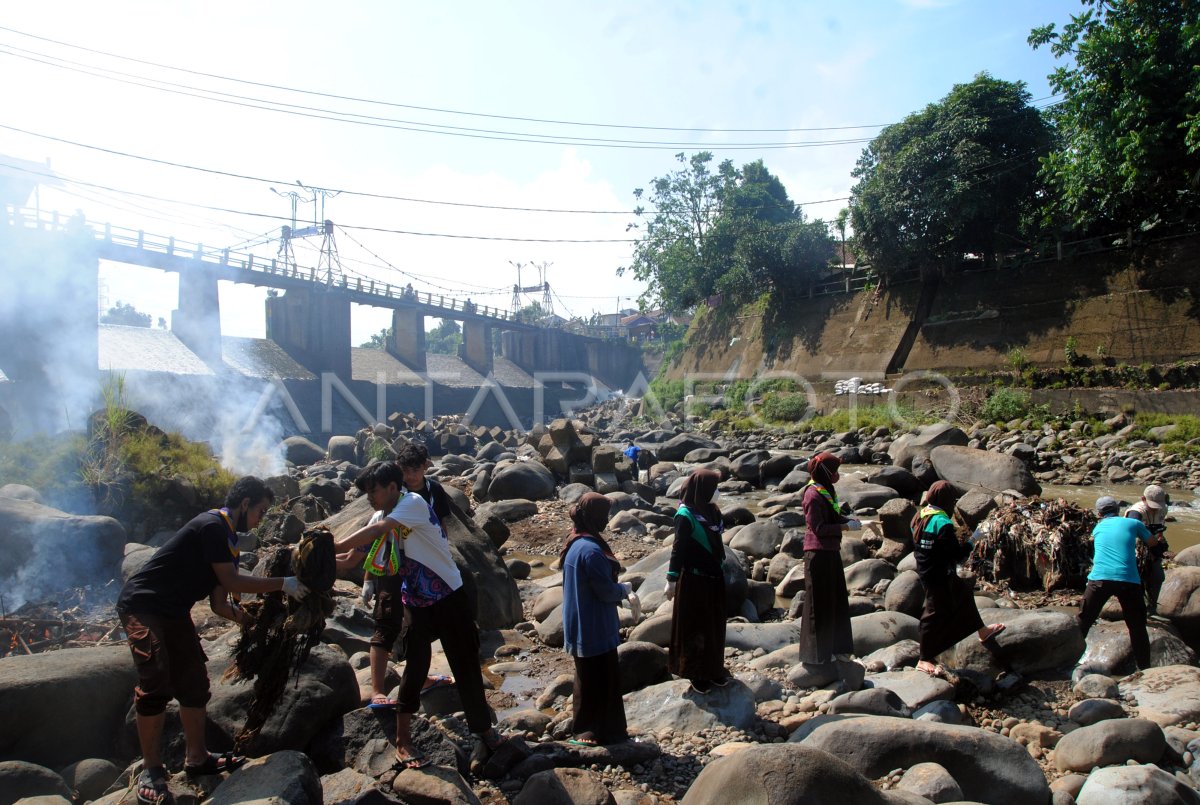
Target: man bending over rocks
[(1114, 572), (155, 605)]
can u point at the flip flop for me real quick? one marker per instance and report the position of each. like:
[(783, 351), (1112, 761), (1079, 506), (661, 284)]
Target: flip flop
[(381, 702), (582, 742), (414, 761), (994, 630), (215, 764), (437, 681), (155, 781), (936, 671)]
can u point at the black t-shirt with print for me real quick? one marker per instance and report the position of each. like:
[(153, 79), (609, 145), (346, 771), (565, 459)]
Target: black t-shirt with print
[(180, 573)]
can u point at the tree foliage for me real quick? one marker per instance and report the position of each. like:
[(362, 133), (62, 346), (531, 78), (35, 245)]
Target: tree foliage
[(378, 340), (127, 314), (445, 338), (959, 177), (728, 231), (1130, 122)]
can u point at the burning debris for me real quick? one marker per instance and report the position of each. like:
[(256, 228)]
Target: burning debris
[(1035, 543), (280, 633), (82, 617)]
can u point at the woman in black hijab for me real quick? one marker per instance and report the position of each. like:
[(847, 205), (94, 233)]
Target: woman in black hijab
[(950, 612), (696, 582)]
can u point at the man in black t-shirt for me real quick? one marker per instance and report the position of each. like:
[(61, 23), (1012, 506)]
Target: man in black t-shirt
[(199, 561)]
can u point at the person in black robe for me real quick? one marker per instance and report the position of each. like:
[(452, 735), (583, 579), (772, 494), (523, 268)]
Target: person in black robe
[(950, 613), (696, 583)]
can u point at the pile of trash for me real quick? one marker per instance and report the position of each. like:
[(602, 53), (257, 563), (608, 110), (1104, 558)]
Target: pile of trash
[(1035, 544), (855, 385)]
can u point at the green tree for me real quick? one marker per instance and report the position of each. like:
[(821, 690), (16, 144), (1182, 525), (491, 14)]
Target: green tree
[(445, 338), (670, 256), (959, 177), (377, 341), (1129, 126), (839, 225), (127, 314)]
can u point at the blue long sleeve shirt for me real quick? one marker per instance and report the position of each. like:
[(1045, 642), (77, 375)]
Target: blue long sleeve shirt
[(590, 598)]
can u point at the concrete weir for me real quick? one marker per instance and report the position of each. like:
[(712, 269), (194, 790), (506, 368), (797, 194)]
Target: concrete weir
[(305, 375)]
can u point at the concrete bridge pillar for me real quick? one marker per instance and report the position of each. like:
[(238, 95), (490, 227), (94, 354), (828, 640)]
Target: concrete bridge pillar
[(197, 321), (407, 343), (313, 326), (520, 347), (476, 349)]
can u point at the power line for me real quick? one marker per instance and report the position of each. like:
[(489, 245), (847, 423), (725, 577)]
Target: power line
[(357, 228), (317, 113), (344, 191), (334, 96)]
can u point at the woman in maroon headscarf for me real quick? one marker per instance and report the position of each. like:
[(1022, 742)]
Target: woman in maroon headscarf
[(825, 620), (591, 594), (696, 582), (950, 612)]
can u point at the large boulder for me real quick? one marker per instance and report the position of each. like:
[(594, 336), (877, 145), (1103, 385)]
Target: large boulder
[(642, 664), (1179, 601), (905, 594), (564, 787), (967, 469), (880, 630), (46, 550), (897, 478), (1166, 696), (1135, 785), (988, 767), (20, 779), (1033, 641), (758, 540), (679, 446), (301, 452), (858, 494), (531, 480), (325, 689), (39, 693), (911, 445), (1110, 742), (485, 578), (283, 778), (865, 574), (781, 774), (677, 707), (1109, 651)]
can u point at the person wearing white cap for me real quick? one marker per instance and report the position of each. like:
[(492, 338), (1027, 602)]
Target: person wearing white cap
[(1151, 510), (1114, 572)]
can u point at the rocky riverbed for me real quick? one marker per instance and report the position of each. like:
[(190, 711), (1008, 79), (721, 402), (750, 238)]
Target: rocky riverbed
[(1041, 715)]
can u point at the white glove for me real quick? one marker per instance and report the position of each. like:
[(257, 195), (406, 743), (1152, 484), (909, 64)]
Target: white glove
[(854, 524), (627, 587), (368, 592), (293, 588), (669, 592), (635, 607)]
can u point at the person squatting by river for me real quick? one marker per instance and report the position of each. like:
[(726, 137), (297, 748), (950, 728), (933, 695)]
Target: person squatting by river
[(825, 620), (1151, 510), (1114, 572), (696, 584), (950, 612), (155, 605), (411, 552), (591, 594)]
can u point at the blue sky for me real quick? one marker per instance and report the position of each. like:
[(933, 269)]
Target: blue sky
[(791, 66)]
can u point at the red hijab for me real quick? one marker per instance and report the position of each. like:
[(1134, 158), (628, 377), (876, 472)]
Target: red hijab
[(942, 495)]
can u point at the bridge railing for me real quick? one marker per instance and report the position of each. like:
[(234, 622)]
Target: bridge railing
[(141, 241)]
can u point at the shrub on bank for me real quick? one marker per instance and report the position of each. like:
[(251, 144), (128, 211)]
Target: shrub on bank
[(1005, 404)]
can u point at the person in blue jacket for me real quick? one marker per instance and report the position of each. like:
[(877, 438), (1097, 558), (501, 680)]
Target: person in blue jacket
[(1114, 572), (591, 594)]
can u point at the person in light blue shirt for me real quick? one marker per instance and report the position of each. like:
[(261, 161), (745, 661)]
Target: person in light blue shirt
[(1114, 572)]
